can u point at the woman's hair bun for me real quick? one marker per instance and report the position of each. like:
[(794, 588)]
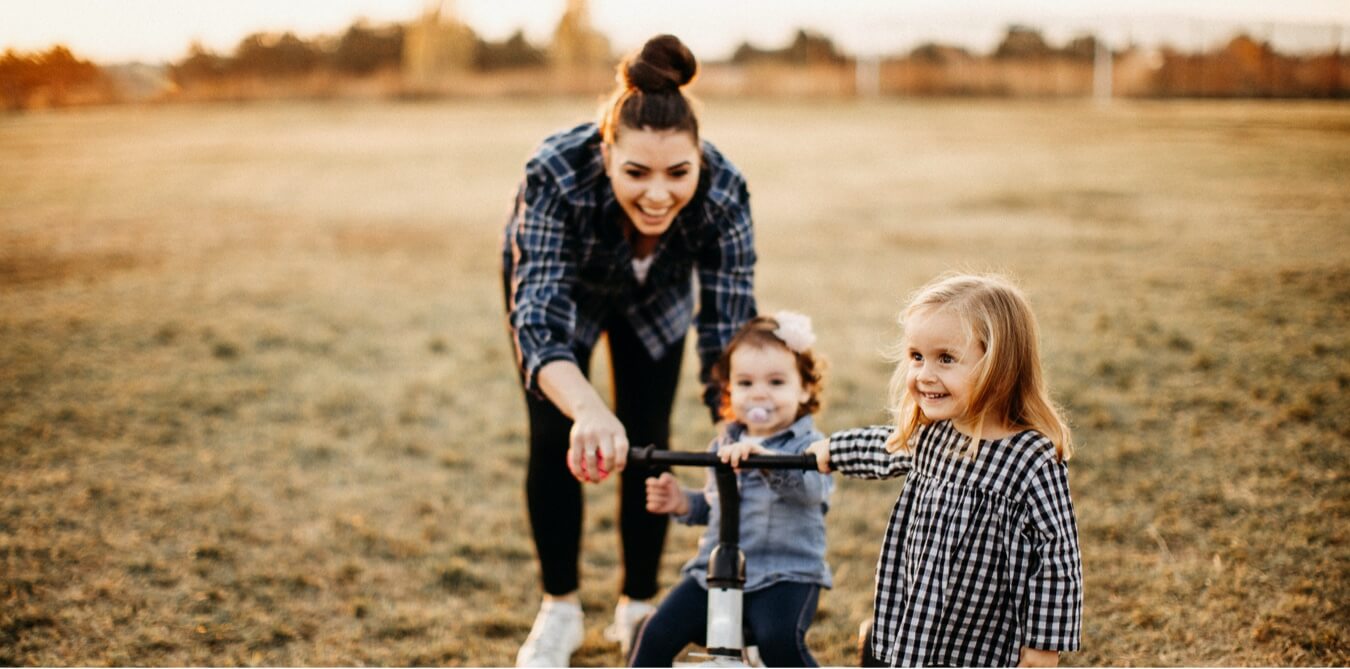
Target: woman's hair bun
[(647, 94), (663, 64)]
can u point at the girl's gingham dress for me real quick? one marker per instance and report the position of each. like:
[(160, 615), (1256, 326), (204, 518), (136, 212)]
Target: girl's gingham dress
[(980, 558)]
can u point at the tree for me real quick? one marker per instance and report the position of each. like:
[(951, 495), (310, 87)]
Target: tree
[(807, 48), (264, 54), (1022, 42), (810, 48), (363, 50), (200, 65), (1083, 47), (515, 52), (55, 73), (938, 54)]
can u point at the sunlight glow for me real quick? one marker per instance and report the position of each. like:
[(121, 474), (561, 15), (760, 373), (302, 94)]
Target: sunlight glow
[(160, 30)]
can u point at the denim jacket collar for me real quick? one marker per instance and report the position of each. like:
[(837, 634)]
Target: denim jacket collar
[(801, 427)]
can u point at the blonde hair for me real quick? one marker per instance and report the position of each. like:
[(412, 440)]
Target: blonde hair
[(1009, 387)]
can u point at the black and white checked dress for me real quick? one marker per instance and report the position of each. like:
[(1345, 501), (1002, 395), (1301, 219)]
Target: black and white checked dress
[(980, 558)]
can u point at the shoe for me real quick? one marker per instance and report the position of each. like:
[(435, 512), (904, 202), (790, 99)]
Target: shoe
[(556, 634), (628, 617)]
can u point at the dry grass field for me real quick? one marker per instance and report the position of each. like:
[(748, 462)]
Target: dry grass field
[(257, 404)]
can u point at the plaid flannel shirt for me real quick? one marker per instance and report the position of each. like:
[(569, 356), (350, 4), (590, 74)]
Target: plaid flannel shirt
[(568, 266), (980, 558)]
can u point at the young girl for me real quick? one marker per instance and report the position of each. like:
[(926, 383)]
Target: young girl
[(771, 384), (980, 564)]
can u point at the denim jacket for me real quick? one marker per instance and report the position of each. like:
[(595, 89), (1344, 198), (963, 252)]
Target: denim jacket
[(782, 515)]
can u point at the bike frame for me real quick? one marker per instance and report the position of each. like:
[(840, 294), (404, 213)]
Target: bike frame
[(726, 566)]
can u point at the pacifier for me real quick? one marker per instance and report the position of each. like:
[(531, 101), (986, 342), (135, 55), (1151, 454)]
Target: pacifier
[(757, 415)]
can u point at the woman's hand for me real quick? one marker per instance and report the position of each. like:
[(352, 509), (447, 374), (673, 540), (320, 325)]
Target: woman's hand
[(733, 454), (821, 449), (598, 445), (665, 496), (1032, 657)]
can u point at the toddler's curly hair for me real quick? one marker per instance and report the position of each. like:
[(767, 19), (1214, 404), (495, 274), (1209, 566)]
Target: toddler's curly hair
[(759, 332)]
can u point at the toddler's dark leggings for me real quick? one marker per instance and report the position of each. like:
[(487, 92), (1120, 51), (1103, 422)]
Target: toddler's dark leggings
[(644, 390), (775, 617)]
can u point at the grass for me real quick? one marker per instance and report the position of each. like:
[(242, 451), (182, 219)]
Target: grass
[(257, 406)]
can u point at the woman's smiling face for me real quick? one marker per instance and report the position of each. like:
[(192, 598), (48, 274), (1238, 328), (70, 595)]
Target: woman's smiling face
[(654, 174)]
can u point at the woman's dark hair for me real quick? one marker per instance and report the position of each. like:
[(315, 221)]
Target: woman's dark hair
[(648, 92)]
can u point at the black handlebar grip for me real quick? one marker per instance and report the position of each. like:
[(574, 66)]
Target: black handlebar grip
[(649, 455), (805, 461)]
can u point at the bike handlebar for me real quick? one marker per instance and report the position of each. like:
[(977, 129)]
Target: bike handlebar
[(650, 455)]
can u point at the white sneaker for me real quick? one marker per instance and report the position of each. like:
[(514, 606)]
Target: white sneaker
[(556, 634), (628, 615)]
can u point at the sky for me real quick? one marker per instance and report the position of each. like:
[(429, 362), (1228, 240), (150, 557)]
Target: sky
[(113, 31)]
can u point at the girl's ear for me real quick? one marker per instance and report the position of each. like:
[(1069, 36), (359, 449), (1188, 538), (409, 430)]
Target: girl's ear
[(604, 155)]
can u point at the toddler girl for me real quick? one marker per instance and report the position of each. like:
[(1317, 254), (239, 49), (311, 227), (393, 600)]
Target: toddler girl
[(980, 562), (771, 384)]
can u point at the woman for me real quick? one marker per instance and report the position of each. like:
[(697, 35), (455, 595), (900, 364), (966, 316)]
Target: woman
[(611, 226)]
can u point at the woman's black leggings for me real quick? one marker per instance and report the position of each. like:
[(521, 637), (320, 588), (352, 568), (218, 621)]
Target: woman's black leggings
[(644, 392)]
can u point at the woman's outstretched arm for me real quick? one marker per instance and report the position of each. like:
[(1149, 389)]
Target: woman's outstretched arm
[(598, 443)]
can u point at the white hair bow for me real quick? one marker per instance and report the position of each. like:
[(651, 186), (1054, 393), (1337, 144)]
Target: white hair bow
[(795, 330)]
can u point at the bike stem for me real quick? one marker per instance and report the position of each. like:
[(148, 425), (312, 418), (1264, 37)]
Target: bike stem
[(726, 573), (726, 565)]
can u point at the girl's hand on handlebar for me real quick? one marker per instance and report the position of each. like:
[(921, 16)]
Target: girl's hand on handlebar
[(821, 449), (598, 445), (733, 454), (665, 496)]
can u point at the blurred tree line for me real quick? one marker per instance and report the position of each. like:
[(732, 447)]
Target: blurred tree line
[(1023, 42), (812, 48), (362, 50), (50, 78), (359, 51), (1023, 63), (807, 48)]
